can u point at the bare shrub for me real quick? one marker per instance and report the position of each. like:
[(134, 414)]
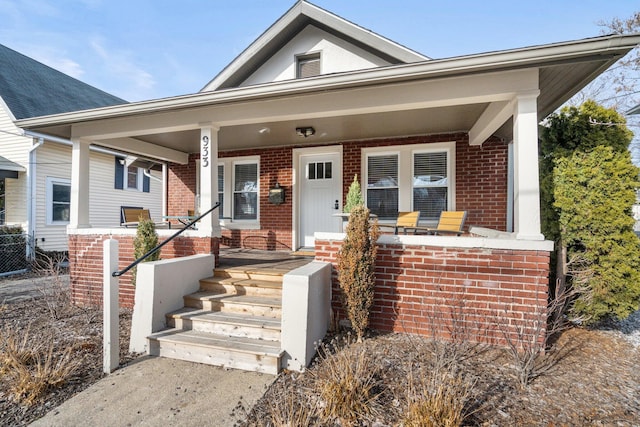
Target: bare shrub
[(438, 398), (531, 342), (347, 381), (55, 293)]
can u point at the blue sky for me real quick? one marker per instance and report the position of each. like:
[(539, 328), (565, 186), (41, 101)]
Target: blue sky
[(144, 49)]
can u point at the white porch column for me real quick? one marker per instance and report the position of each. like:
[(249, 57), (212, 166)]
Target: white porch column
[(526, 181), (209, 225), (79, 215)]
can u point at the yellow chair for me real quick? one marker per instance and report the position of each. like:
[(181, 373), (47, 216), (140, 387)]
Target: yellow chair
[(450, 222), (405, 221)]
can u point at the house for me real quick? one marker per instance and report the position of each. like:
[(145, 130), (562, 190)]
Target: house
[(312, 102), (35, 169)]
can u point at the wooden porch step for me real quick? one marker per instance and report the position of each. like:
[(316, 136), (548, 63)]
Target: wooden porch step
[(248, 304), (267, 275), (242, 286), (229, 324), (218, 350)]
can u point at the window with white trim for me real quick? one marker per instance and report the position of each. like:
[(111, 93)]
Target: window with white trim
[(308, 65), (130, 177), (382, 185), (430, 184), (133, 178), (238, 189), (410, 178), (221, 209), (245, 191), (58, 201)]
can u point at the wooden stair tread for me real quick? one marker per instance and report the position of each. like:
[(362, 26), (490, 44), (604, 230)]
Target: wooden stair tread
[(267, 274), (208, 340), (237, 299), (239, 319), (238, 281)]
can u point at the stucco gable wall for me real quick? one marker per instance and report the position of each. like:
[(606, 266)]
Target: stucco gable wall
[(337, 55)]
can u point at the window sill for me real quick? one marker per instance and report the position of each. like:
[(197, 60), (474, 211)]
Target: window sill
[(240, 225)]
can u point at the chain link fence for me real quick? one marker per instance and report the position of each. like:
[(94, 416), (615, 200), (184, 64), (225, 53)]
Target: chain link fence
[(13, 250)]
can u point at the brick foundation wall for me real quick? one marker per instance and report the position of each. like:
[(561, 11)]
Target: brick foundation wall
[(480, 295), (86, 264)]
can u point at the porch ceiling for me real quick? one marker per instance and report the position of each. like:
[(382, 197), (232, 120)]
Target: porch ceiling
[(329, 129)]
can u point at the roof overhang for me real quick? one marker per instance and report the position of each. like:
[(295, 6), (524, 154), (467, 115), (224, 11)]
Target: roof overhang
[(453, 94), (9, 169)]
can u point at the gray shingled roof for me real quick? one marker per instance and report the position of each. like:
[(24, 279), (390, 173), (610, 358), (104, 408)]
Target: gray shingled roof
[(32, 89)]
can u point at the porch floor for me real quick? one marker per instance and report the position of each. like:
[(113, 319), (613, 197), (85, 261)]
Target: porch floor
[(268, 261)]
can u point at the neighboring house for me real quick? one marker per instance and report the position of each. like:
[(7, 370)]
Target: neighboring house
[(316, 100), (35, 170)]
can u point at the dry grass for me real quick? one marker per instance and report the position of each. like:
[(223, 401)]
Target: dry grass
[(438, 398), (346, 381), (419, 383), (31, 366), (291, 410)]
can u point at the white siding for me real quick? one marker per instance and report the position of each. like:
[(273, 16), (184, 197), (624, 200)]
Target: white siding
[(105, 200), (54, 161), (15, 148), (337, 55)]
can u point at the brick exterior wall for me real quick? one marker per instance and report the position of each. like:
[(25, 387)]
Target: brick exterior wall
[(481, 185), (474, 294), (86, 264), (276, 166)]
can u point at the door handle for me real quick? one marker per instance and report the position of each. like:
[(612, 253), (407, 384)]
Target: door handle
[(337, 205)]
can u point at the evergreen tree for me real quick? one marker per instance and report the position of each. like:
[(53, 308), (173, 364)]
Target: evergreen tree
[(356, 268), (145, 240), (588, 185)]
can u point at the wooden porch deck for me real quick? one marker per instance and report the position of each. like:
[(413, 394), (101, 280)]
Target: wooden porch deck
[(279, 262)]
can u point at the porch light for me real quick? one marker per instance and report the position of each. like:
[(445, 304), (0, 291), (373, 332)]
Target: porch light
[(305, 131)]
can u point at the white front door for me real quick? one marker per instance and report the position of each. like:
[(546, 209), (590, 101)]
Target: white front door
[(320, 178)]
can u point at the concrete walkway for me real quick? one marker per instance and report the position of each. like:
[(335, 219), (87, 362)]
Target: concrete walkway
[(154, 391)]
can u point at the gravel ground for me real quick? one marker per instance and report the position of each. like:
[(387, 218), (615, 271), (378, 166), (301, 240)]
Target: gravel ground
[(629, 329)]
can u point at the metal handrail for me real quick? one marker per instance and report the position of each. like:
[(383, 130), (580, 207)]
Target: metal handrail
[(157, 248)]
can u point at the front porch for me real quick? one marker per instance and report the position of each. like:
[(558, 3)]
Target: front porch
[(469, 287)]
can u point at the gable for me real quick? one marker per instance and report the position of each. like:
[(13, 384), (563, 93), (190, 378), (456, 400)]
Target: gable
[(336, 55), (289, 26), (30, 88)]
